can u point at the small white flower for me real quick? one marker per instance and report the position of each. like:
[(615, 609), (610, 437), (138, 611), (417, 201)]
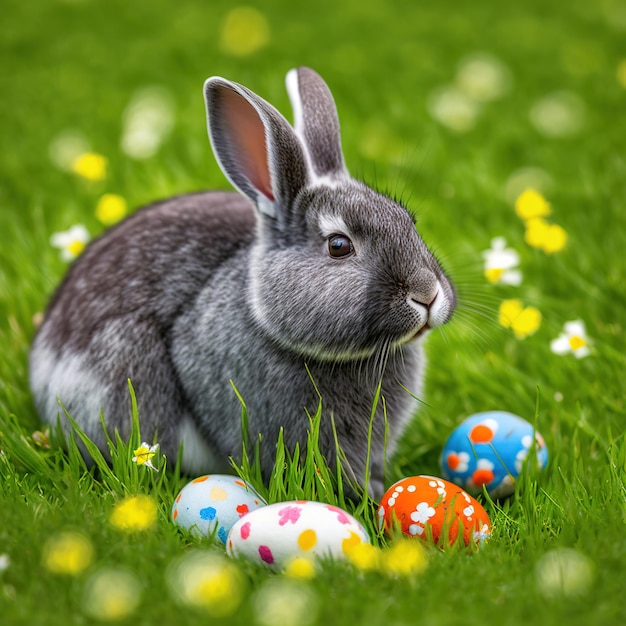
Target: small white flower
[(483, 77), (144, 455), (565, 573), (148, 120), (5, 561), (501, 263), (482, 535), (71, 242), (558, 114), (573, 340), (66, 147), (453, 108)]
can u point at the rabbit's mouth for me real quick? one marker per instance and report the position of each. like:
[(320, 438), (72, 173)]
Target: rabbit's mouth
[(422, 331)]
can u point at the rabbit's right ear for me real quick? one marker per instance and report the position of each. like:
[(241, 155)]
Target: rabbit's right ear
[(316, 121), (255, 146)]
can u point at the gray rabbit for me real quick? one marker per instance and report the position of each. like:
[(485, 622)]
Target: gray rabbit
[(305, 281)]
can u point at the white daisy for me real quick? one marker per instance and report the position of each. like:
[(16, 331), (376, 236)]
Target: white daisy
[(144, 455), (71, 242), (573, 340), (501, 263)]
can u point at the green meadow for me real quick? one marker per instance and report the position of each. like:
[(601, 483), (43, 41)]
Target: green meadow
[(490, 121)]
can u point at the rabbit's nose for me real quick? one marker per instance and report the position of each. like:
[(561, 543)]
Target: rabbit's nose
[(422, 300), (425, 290)]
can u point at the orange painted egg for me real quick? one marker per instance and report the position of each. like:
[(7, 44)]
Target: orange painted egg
[(431, 508)]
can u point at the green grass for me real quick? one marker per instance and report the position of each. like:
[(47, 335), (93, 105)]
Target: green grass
[(76, 64)]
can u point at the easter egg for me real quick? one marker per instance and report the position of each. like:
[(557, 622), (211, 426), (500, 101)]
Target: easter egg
[(276, 534), (212, 504), (431, 508), (490, 449)]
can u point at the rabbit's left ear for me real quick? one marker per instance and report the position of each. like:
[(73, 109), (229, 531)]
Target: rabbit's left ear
[(256, 147), (316, 122)]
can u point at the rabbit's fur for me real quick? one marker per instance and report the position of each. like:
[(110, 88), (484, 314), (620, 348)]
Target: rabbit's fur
[(188, 294)]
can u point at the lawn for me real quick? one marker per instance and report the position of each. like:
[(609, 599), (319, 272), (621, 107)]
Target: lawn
[(457, 109)]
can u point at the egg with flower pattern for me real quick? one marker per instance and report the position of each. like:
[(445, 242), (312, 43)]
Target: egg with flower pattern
[(434, 510), (210, 505), (277, 534), (490, 449)]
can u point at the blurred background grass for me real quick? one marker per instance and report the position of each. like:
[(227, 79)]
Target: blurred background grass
[(73, 68)]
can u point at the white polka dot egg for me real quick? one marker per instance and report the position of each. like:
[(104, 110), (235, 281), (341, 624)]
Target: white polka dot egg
[(212, 504), (278, 533), (490, 449)]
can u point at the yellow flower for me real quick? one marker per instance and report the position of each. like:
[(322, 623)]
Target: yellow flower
[(555, 240), (134, 513), (91, 166), (207, 580), (404, 558), (509, 310), (536, 232), (532, 207), (111, 594), (68, 552), (300, 567), (523, 321), (144, 454), (42, 438), (244, 31), (547, 237), (494, 274), (365, 556), (527, 323), (111, 208), (531, 204)]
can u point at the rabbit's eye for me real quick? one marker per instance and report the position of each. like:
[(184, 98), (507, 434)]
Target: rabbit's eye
[(339, 246)]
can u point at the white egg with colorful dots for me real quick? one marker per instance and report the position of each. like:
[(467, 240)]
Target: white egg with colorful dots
[(281, 532), (489, 449), (210, 505)]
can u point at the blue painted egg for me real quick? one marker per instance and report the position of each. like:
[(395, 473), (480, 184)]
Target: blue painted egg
[(212, 504), (490, 449)]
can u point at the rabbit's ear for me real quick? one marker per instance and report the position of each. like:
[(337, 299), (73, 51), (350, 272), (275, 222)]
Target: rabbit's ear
[(316, 121), (255, 146)]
